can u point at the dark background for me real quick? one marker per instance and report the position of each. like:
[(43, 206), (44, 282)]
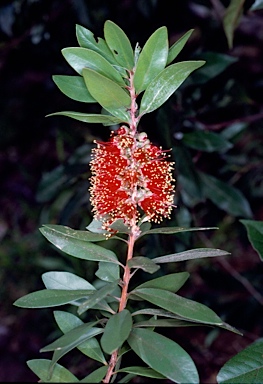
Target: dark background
[(44, 166)]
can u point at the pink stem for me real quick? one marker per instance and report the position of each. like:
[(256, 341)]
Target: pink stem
[(132, 237)]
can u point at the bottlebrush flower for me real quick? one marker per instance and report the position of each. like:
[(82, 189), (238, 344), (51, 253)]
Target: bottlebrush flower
[(130, 175)]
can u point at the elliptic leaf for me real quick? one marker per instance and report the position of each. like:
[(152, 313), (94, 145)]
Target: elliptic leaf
[(258, 4), (206, 141), (176, 48), (231, 19), (118, 225), (216, 63), (76, 234), (152, 59), (119, 44), (164, 323), (71, 340), (165, 84), (244, 367), (65, 280), (51, 298), (188, 178), (233, 130), (187, 309), (89, 117), (172, 282), (255, 235), (173, 230), (60, 374), (116, 331), (144, 263), (98, 296), (95, 226), (163, 355), (91, 348), (108, 94), (127, 378), (78, 248), (108, 272), (226, 197), (86, 40), (73, 87), (157, 312), (95, 376), (183, 309), (142, 371), (74, 337), (189, 255), (80, 58)]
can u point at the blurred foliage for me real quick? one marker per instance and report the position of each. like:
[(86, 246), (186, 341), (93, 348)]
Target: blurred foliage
[(213, 124)]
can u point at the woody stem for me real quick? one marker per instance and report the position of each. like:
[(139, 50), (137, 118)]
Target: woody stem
[(123, 302), (132, 237)]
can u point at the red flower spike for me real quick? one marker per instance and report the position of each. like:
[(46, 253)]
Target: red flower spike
[(129, 173)]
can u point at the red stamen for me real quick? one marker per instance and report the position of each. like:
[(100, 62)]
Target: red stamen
[(128, 173)]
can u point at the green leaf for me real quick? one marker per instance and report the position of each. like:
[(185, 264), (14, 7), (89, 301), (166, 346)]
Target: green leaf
[(108, 94), (172, 282), (78, 248), (95, 226), (216, 63), (86, 40), (258, 4), (95, 376), (225, 196), (60, 374), (143, 263), (164, 323), (119, 44), (108, 272), (231, 19), (188, 310), (232, 130), (159, 312), (206, 141), (165, 84), (71, 340), (185, 308), (75, 234), (255, 235), (74, 337), (98, 296), (245, 367), (118, 225), (152, 59), (73, 87), (174, 230), (91, 348), (65, 280), (51, 298), (142, 371), (176, 48), (163, 355), (117, 330), (188, 178), (190, 255), (80, 58), (144, 225), (89, 117), (127, 378)]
